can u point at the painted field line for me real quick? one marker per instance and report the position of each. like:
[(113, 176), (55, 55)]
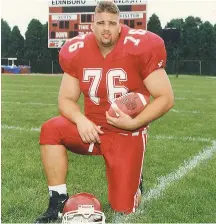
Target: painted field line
[(158, 137), (187, 111), (35, 74), (30, 103), (211, 77), (165, 181), (38, 103), (4, 126), (184, 98), (184, 91), (194, 91), (182, 138), (43, 86), (27, 91)]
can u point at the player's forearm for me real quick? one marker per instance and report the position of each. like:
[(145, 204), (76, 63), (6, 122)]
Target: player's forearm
[(70, 110), (154, 110)]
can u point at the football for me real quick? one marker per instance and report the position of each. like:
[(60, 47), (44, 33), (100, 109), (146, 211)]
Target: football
[(131, 104)]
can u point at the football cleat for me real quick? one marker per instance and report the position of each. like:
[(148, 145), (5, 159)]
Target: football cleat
[(55, 208), (141, 184), (83, 208)]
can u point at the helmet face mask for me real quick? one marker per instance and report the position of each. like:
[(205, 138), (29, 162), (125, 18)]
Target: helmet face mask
[(83, 208)]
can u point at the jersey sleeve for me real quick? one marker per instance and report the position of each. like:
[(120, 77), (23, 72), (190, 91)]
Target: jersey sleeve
[(155, 57), (68, 59)]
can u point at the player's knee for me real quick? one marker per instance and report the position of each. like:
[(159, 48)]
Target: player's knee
[(50, 132)]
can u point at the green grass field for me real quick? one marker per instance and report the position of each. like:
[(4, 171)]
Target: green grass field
[(179, 168)]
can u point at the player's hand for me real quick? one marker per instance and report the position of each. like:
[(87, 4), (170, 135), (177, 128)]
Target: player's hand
[(124, 121), (88, 131)]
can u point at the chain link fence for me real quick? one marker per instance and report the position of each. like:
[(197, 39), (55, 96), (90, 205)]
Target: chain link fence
[(192, 67)]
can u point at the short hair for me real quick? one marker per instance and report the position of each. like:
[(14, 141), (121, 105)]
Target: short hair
[(107, 6)]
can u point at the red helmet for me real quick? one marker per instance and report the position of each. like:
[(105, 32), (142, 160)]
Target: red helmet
[(83, 208)]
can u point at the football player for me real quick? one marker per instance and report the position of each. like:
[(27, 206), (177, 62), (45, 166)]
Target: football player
[(107, 63)]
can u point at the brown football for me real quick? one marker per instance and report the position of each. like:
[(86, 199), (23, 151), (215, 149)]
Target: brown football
[(131, 104)]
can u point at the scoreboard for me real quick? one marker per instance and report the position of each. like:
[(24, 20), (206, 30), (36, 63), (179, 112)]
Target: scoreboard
[(68, 18)]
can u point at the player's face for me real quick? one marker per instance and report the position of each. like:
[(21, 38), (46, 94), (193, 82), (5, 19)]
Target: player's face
[(106, 28)]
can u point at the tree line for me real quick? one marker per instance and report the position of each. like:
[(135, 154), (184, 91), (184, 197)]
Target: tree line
[(197, 40)]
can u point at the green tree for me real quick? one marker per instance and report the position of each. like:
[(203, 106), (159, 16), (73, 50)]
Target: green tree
[(175, 23), (191, 37), (5, 38), (47, 53), (207, 45), (154, 25), (174, 49), (16, 48), (215, 27), (33, 43), (49, 56)]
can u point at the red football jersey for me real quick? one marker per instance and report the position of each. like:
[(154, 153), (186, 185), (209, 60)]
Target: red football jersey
[(136, 54)]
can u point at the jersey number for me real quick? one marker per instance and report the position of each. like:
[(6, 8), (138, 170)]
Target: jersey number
[(80, 44), (132, 39), (94, 77)]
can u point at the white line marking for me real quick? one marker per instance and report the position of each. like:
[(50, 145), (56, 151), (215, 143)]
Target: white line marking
[(184, 91), (17, 85), (34, 74), (180, 98), (188, 138), (188, 111), (211, 77), (27, 91), (31, 103), (210, 91), (38, 103), (184, 98), (157, 137), (165, 181), (4, 126)]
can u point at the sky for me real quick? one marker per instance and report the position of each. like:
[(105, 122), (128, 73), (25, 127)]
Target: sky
[(20, 12)]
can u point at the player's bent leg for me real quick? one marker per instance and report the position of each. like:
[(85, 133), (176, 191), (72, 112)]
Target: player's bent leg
[(124, 170), (57, 135), (55, 163), (60, 131)]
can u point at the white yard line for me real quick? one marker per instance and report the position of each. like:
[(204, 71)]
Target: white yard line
[(39, 103), (188, 138), (184, 98), (30, 103), (195, 91), (183, 91), (187, 111), (28, 91), (158, 137), (33, 74), (211, 77), (43, 86), (165, 181), (4, 126)]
